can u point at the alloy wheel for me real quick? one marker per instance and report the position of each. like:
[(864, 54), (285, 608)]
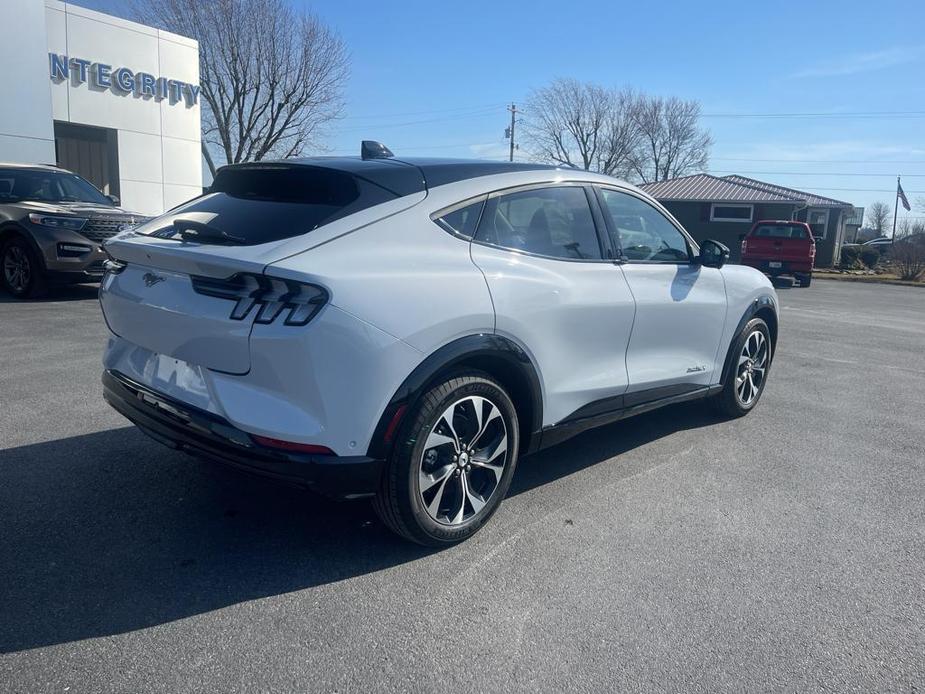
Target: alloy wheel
[(753, 365), (17, 271), (463, 460)]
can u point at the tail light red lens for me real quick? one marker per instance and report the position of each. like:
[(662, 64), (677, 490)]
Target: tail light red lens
[(292, 446), (394, 422)]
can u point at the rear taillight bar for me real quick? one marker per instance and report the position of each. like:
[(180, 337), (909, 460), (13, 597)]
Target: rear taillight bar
[(271, 296)]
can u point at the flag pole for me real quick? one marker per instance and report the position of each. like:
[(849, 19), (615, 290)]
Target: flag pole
[(895, 212)]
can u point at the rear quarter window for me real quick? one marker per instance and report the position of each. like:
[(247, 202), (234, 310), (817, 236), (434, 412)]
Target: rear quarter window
[(461, 219)]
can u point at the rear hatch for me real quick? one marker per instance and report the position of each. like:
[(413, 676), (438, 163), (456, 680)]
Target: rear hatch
[(180, 281), (780, 241)]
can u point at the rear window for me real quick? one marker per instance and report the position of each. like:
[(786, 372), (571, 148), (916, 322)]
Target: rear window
[(781, 231), (260, 204)]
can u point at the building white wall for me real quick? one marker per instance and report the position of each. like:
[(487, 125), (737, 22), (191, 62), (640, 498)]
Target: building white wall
[(160, 162), (26, 132), (158, 141)]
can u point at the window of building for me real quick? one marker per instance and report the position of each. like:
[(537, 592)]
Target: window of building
[(731, 213), (818, 221), (549, 221)]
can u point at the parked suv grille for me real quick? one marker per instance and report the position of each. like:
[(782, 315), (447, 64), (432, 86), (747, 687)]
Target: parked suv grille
[(101, 229)]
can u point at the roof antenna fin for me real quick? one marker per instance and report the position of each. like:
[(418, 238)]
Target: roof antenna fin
[(370, 149)]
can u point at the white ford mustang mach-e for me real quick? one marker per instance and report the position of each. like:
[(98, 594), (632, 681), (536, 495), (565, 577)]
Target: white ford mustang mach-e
[(405, 329)]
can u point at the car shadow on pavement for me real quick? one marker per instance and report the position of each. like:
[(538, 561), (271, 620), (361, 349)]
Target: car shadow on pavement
[(783, 282), (72, 292), (597, 445), (110, 532)]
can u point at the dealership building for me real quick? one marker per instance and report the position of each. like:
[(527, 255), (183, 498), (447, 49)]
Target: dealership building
[(114, 101)]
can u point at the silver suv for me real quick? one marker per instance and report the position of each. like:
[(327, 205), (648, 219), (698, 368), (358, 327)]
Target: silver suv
[(405, 329), (52, 223)]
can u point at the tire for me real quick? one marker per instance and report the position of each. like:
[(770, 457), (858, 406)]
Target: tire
[(805, 280), (751, 346), (21, 273), (423, 494)]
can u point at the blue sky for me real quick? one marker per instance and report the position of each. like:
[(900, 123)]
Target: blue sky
[(432, 78)]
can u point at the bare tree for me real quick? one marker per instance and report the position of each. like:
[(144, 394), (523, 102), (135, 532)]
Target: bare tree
[(271, 77), (878, 217), (908, 252), (582, 125), (672, 143)]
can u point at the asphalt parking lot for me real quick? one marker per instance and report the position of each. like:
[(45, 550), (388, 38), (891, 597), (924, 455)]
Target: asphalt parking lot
[(673, 551)]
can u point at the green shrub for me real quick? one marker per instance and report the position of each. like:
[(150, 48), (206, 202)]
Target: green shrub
[(850, 256), (870, 257)]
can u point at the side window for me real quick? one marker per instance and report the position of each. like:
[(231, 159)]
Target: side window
[(552, 221), (642, 232), (462, 220)]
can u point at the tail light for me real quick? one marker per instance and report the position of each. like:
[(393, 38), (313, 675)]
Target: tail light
[(270, 296), (744, 245)]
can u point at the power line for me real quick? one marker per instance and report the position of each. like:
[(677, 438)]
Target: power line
[(399, 149), (822, 161), (821, 114), (463, 116), (873, 190), (425, 113), (795, 114), (817, 173)]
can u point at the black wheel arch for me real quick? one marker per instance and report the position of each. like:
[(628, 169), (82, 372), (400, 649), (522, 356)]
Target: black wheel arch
[(763, 308), (495, 355)]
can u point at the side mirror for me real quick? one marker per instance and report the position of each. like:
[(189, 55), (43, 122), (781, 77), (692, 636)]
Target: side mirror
[(114, 199), (713, 254)]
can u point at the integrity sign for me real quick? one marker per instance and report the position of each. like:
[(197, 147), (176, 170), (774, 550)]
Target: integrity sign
[(121, 80)]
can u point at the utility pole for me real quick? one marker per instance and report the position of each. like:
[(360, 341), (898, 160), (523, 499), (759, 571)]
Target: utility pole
[(513, 109)]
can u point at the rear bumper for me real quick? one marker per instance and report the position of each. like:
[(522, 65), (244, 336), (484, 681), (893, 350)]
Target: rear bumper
[(184, 427), (786, 266)]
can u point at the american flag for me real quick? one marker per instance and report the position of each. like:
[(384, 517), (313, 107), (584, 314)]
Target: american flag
[(902, 196)]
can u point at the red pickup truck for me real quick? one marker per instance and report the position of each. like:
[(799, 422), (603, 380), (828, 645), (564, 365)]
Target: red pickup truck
[(781, 248)]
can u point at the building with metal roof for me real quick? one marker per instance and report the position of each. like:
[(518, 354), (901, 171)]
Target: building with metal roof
[(809, 199), (705, 186), (725, 207)]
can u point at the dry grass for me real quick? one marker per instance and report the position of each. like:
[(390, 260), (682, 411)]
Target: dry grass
[(860, 276)]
